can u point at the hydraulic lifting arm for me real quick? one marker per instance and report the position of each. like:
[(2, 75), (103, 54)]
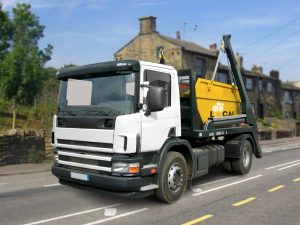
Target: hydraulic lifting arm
[(246, 106)]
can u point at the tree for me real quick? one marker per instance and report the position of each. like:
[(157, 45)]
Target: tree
[(50, 85), (22, 66), (5, 32)]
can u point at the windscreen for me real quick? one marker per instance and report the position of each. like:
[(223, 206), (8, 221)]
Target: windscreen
[(111, 94)]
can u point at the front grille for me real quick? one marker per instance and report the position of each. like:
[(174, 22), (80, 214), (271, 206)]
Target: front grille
[(84, 170), (84, 160), (85, 143)]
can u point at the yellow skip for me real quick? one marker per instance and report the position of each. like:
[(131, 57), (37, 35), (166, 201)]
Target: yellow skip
[(202, 218), (276, 188), (244, 201), (216, 99), (297, 179)]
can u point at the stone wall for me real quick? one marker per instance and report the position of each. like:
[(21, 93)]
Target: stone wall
[(21, 147), (297, 128), (265, 135)]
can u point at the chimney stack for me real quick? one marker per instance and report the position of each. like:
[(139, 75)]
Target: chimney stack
[(257, 69), (148, 25), (240, 60), (213, 47), (274, 74), (178, 36)]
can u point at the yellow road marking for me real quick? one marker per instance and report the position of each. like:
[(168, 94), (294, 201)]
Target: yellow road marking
[(276, 188), (297, 179), (202, 218), (244, 201)]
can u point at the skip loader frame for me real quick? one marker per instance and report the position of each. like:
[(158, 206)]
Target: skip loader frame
[(139, 128)]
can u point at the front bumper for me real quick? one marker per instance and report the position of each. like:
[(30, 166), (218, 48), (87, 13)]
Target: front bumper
[(114, 185)]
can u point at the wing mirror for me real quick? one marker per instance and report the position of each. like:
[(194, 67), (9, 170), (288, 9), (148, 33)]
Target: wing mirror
[(155, 99)]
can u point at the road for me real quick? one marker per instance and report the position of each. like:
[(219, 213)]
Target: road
[(269, 194)]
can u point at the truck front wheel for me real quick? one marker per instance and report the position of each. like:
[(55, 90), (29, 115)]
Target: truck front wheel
[(172, 178)]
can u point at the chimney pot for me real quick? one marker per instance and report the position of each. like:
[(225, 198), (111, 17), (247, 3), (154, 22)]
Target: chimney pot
[(239, 60), (178, 36)]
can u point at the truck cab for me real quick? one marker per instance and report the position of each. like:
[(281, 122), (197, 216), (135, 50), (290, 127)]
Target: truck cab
[(105, 134)]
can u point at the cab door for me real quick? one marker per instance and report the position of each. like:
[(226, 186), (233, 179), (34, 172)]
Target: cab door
[(158, 126)]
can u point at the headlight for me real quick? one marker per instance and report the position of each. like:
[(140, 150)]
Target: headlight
[(121, 167)]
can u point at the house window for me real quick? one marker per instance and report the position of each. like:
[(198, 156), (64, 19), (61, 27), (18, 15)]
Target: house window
[(270, 87), (287, 97), (200, 67), (222, 77), (287, 114), (260, 85), (270, 107), (249, 84)]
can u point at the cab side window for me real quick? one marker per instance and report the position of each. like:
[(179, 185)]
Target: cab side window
[(161, 80)]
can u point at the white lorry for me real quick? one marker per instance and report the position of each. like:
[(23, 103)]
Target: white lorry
[(134, 128)]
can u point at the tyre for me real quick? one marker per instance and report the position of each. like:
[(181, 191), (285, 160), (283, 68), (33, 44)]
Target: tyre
[(243, 164), (227, 165), (172, 178)]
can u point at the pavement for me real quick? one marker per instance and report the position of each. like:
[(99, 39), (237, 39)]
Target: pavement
[(43, 167), (24, 168)]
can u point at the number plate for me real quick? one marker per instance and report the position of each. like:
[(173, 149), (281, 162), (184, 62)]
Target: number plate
[(80, 176)]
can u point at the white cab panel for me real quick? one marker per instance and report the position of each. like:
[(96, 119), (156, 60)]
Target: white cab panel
[(156, 127), (127, 126)]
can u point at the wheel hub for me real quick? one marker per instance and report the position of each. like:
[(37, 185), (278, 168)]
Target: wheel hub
[(246, 157), (175, 177)]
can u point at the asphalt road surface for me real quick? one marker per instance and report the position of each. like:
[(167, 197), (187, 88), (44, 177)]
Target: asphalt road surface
[(269, 194)]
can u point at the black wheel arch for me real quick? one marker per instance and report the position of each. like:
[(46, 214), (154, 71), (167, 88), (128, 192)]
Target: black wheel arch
[(177, 145), (232, 147)]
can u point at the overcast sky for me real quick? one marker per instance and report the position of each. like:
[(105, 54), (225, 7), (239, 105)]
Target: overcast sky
[(266, 33)]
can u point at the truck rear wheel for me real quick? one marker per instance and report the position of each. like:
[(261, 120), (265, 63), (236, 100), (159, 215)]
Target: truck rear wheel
[(243, 164), (227, 165), (172, 178)]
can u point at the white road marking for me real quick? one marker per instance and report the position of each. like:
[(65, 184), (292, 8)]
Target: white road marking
[(272, 167), (72, 214), (51, 185), (281, 149), (110, 212), (116, 217), (227, 185), (196, 189), (289, 166), (287, 148)]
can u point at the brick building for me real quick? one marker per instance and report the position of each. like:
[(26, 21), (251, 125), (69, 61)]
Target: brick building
[(297, 83), (178, 53), (290, 100), (267, 94)]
